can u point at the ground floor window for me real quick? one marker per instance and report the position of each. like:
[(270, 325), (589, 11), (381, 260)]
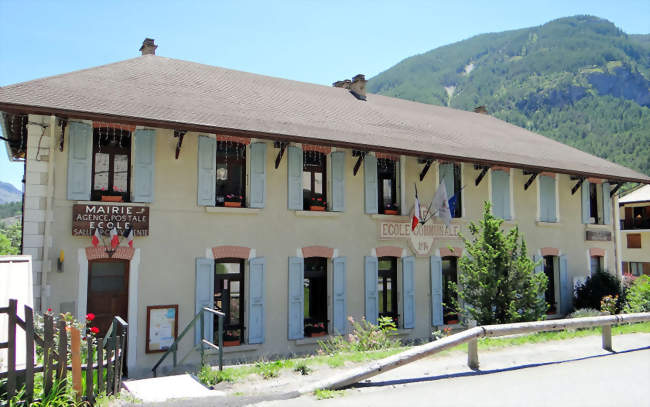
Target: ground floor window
[(229, 299), (387, 288), (636, 269), (550, 271), (315, 286), (595, 264), (449, 274)]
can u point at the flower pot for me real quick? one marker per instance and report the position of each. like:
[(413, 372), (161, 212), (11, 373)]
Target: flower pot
[(232, 204), (316, 208), (390, 212), (235, 342), (111, 198), (314, 334), (452, 322)]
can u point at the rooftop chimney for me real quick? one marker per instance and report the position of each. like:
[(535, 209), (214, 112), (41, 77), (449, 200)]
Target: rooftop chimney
[(356, 86), (481, 109), (148, 47)]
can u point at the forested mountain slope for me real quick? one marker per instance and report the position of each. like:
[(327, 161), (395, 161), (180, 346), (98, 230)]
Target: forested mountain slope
[(579, 80)]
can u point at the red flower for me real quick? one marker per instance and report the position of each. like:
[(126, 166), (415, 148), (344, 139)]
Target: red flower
[(90, 316), (94, 330), (49, 310)]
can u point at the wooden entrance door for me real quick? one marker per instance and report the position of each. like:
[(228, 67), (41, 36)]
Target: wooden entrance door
[(108, 291)]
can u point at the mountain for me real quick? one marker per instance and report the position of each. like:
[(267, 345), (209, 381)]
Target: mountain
[(579, 80), (9, 193)]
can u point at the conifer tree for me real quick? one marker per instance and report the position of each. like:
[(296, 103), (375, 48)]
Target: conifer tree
[(497, 282)]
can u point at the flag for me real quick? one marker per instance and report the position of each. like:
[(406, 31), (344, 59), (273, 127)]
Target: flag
[(416, 211), (115, 239), (128, 234), (95, 238), (452, 205), (441, 205)]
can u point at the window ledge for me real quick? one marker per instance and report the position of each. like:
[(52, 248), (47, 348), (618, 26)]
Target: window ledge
[(232, 211), (235, 349), (635, 231), (112, 203), (395, 218), (548, 224), (597, 226), (317, 213), (312, 340)]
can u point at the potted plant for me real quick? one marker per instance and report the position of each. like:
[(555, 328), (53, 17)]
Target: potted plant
[(391, 209), (233, 201), (317, 203), (116, 195), (315, 329), (230, 338)]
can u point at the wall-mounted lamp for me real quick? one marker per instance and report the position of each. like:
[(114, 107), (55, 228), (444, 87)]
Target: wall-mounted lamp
[(59, 262)]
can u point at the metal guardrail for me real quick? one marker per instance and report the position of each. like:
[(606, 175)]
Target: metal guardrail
[(200, 316), (471, 337)]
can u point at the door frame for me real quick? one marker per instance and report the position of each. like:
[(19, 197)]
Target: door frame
[(82, 301)]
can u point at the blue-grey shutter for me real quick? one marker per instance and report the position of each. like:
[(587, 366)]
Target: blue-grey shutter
[(143, 165), (436, 291), (294, 178), (539, 268), (207, 163), (607, 204), (256, 296), (296, 298), (204, 297), (501, 194), (586, 210), (80, 159), (339, 304), (371, 271), (547, 198), (337, 163), (408, 291), (447, 176), (566, 288), (258, 175), (371, 190)]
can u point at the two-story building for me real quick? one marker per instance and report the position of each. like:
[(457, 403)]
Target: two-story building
[(635, 231), (285, 204)]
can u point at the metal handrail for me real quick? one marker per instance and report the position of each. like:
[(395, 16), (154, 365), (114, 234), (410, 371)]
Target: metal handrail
[(199, 316), (471, 337)]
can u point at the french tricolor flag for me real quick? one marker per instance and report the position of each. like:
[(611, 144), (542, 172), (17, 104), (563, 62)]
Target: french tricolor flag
[(95, 238), (417, 216), (128, 234), (115, 239)]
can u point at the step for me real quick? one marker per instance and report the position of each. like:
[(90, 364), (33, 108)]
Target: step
[(157, 389)]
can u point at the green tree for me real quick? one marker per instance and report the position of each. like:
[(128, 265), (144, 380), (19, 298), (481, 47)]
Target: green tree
[(497, 282), (5, 245), (10, 237)]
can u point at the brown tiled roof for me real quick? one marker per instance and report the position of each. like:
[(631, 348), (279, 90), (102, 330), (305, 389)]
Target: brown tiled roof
[(185, 95)]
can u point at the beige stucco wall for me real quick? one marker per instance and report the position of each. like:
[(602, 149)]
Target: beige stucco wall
[(180, 231)]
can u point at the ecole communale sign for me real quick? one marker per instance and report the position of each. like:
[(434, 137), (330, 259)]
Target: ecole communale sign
[(422, 238)]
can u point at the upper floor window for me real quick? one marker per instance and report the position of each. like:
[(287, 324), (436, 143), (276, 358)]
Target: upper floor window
[(450, 174), (596, 203), (387, 176), (637, 217), (314, 176), (231, 174), (634, 240), (111, 165)]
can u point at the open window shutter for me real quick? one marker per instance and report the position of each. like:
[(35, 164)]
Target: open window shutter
[(436, 291), (256, 296), (370, 184), (586, 211), (258, 175), (207, 171), (607, 204), (204, 297), (294, 178), (408, 291), (296, 298), (539, 269), (566, 288), (447, 176), (339, 307), (498, 202), (145, 148), (337, 161), (80, 159), (371, 275), (547, 198)]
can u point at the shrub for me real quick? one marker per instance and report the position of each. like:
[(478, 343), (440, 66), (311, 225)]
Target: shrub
[(364, 337), (638, 295), (269, 370), (209, 376), (590, 293), (585, 312), (608, 304), (302, 368)]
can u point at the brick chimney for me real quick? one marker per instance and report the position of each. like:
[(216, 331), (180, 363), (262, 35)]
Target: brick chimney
[(345, 84), (356, 86), (148, 47)]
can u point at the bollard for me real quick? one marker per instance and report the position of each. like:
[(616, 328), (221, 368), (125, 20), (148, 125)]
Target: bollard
[(607, 337), (472, 354)]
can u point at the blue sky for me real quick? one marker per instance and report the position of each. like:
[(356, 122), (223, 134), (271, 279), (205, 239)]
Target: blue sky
[(312, 41)]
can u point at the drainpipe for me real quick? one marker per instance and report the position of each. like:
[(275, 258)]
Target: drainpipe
[(49, 216), (616, 231)]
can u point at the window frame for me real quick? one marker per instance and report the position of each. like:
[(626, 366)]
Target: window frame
[(221, 157), (312, 169), (382, 278), (242, 297), (96, 194), (309, 322), (383, 170)]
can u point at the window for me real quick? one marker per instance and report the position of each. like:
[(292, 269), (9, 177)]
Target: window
[(231, 174), (315, 283), (550, 294), (595, 264), (449, 274), (111, 164), (637, 217), (595, 203), (450, 174), (387, 288), (633, 240), (636, 268), (387, 179), (313, 180), (229, 299)]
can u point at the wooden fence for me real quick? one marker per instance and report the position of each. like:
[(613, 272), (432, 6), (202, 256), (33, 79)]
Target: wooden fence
[(104, 357)]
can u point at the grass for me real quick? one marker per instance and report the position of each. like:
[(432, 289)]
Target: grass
[(328, 394)]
